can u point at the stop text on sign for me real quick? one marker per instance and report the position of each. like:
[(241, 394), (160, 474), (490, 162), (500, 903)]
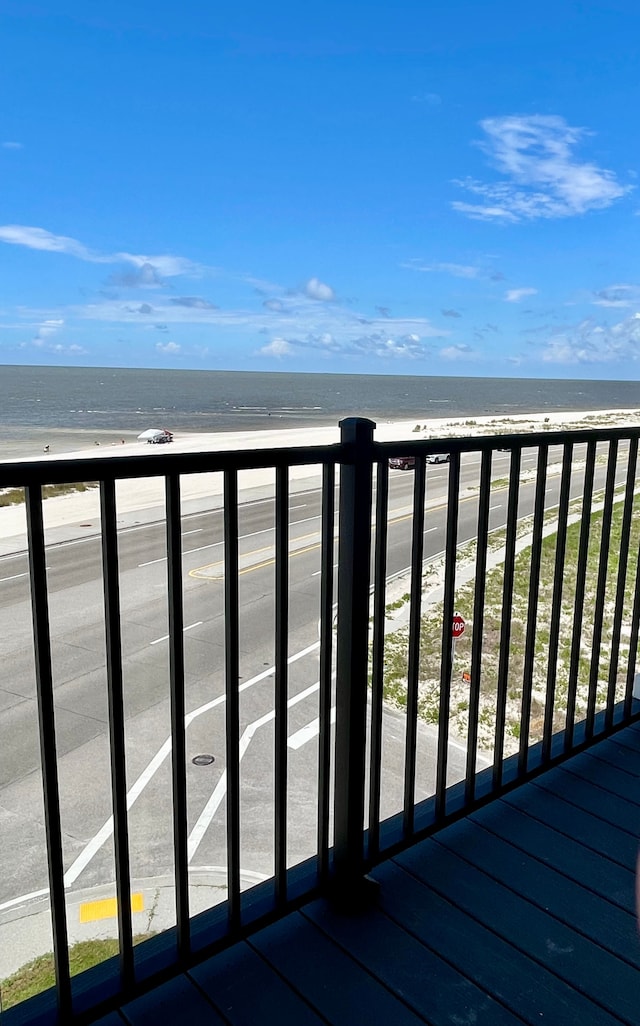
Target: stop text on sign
[(457, 626)]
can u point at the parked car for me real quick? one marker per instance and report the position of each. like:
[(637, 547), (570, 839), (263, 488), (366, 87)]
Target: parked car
[(402, 462), (438, 457)]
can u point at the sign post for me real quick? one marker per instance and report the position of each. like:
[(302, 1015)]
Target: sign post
[(457, 630)]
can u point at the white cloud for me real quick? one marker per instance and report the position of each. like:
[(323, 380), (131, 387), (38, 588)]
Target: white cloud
[(316, 289), (168, 347), (433, 99), (618, 296), (515, 295), (278, 347), (164, 265), (457, 270), (39, 238), (590, 342), (455, 352), (545, 179), (11, 145)]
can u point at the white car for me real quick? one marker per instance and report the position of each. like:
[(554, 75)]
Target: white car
[(438, 457)]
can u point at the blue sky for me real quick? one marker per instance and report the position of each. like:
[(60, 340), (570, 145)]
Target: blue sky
[(431, 188)]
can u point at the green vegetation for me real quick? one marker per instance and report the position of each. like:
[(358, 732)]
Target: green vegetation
[(15, 496), (39, 974), (590, 661)]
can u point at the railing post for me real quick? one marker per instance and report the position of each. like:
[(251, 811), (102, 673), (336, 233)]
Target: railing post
[(354, 556)]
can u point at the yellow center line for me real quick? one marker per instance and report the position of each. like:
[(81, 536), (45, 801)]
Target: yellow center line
[(200, 572)]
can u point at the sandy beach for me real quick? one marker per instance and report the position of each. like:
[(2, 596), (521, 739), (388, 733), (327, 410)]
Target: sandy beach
[(147, 494)]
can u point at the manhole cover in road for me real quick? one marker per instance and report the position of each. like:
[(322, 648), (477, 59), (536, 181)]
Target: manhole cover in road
[(203, 760)]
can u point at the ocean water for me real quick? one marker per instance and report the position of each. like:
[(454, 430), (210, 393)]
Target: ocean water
[(104, 404)]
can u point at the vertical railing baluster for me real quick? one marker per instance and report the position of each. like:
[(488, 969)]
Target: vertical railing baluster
[(48, 754), (115, 692), (232, 713), (413, 661), (578, 606), (603, 566), (448, 605), (352, 656), (505, 619), (632, 662), (326, 664), (532, 607), (377, 660), (556, 601), (281, 679), (178, 737), (623, 564), (484, 500)]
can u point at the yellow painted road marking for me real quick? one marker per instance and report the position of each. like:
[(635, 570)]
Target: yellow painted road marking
[(107, 908), (215, 571)]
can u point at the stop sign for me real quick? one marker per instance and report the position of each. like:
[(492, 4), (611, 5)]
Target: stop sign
[(457, 626)]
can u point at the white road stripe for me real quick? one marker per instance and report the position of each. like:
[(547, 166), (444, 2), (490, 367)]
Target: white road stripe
[(316, 573), (24, 898), (165, 637), (499, 506), (96, 842), (196, 530), (212, 806), (311, 730), (15, 577)]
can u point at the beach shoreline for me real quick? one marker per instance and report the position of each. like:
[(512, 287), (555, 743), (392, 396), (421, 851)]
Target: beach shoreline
[(144, 498), (87, 443)]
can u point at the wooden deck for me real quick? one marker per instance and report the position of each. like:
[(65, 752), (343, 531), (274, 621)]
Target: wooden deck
[(523, 912)]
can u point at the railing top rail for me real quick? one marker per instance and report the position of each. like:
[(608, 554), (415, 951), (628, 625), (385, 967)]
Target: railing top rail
[(110, 468)]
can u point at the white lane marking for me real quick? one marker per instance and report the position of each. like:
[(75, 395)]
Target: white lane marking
[(212, 806), (311, 730), (150, 562), (196, 530), (96, 842), (316, 573), (499, 506), (15, 577), (165, 637), (306, 520), (303, 506), (24, 898), (241, 537), (428, 530)]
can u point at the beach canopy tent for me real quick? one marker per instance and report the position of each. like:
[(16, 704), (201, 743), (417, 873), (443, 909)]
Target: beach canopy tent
[(151, 434)]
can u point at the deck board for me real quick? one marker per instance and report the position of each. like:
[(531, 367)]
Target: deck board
[(225, 980), (606, 924), (521, 912), (328, 978), (542, 937), (433, 988)]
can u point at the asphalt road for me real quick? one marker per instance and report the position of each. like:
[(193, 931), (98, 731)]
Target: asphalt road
[(76, 616)]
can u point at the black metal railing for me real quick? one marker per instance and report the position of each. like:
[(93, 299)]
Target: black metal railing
[(595, 474)]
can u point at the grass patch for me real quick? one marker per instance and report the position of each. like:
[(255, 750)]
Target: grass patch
[(15, 496), (39, 974), (582, 661)]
